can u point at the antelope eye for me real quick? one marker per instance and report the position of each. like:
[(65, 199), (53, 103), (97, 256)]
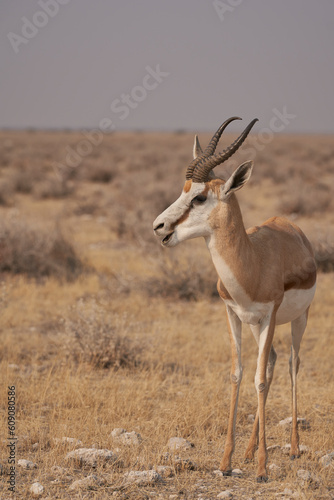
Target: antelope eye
[(198, 199)]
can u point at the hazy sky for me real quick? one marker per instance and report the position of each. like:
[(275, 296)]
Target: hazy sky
[(166, 65)]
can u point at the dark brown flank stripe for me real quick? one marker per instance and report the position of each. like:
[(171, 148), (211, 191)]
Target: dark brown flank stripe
[(300, 282), (303, 283)]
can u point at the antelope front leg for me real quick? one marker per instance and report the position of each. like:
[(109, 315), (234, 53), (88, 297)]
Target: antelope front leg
[(234, 327), (267, 328), (253, 441)]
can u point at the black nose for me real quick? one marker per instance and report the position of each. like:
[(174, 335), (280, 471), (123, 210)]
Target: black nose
[(159, 227)]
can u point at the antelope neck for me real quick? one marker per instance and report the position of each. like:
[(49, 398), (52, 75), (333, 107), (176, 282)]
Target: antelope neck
[(230, 247)]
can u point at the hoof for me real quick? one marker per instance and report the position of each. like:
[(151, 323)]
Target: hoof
[(293, 457), (227, 473), (249, 455), (262, 479)]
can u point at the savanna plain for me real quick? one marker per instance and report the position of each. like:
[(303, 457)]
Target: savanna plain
[(103, 329)]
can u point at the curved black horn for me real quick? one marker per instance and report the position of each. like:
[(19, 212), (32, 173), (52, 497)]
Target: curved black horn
[(210, 149), (206, 164)]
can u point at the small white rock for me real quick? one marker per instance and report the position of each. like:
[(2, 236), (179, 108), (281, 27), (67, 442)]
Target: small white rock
[(327, 460), (274, 467), (304, 474), (288, 421), (117, 432), (288, 494), (273, 447), (142, 478), (90, 482), (250, 418), (128, 438), (307, 477), (165, 471), (303, 448), (36, 489), (91, 456), (225, 494), (178, 462), (184, 464), (68, 440), (287, 447), (237, 472), (56, 469), (285, 421), (178, 443), (13, 366), (26, 464)]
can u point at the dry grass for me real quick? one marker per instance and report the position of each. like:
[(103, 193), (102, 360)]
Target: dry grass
[(37, 252), (99, 339), (304, 200), (141, 342)]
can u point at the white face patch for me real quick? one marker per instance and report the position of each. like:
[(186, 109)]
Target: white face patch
[(186, 218)]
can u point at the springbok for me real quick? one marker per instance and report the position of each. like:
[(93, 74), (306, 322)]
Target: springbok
[(267, 276)]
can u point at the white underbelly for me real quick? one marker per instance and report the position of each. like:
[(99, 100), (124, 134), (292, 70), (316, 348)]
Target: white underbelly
[(295, 302)]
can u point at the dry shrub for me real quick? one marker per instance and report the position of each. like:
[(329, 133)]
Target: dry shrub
[(22, 181), (100, 169), (5, 194), (137, 201), (180, 280), (266, 166), (190, 278), (99, 339), (304, 199), (36, 252), (53, 187), (99, 174), (134, 227), (324, 256)]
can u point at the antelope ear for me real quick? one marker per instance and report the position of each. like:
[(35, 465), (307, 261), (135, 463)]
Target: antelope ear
[(197, 150), (239, 177)]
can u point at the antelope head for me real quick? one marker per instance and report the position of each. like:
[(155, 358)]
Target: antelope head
[(188, 217)]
